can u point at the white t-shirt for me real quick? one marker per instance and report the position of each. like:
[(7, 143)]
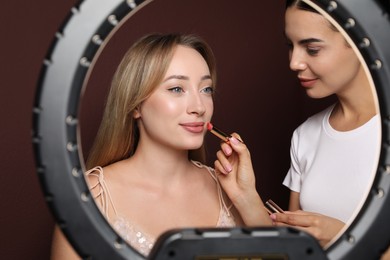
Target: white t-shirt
[(333, 170)]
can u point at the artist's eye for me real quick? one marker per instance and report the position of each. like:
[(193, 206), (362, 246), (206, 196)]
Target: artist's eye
[(312, 51), (176, 89), (290, 46)]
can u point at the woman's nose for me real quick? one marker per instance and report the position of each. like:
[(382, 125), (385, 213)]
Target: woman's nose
[(297, 61), (196, 104)]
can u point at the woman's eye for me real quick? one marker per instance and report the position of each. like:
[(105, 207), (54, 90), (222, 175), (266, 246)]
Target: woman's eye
[(176, 89), (312, 51), (208, 90)]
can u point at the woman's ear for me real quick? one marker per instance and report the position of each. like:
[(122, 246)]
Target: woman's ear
[(136, 113)]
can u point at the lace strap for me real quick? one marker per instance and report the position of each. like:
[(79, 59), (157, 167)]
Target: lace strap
[(103, 194), (219, 188)]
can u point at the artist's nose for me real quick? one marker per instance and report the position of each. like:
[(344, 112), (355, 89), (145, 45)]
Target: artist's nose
[(297, 60)]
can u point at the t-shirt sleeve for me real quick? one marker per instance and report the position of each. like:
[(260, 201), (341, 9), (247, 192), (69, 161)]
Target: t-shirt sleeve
[(293, 177)]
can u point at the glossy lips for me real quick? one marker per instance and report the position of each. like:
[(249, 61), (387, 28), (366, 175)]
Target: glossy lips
[(193, 127), (307, 82)]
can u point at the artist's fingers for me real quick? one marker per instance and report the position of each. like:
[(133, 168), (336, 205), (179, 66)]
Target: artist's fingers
[(280, 224), (223, 162), (241, 149), (219, 168), (292, 219), (237, 136), (226, 148), (237, 144)]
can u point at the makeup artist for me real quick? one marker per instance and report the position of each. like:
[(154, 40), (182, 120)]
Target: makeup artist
[(333, 153), (146, 168)]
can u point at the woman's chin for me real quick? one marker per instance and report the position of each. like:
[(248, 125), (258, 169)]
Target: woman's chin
[(315, 95), (194, 146)]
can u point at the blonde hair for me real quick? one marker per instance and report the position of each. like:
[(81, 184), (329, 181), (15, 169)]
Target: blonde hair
[(141, 70)]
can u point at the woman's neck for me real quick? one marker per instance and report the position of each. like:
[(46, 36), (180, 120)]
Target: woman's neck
[(356, 106), (345, 119), (160, 163)]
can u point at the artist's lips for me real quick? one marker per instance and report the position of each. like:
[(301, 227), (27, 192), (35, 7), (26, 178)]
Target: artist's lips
[(193, 127), (306, 82)]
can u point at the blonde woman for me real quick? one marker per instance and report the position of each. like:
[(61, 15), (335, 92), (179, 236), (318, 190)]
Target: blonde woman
[(146, 168)]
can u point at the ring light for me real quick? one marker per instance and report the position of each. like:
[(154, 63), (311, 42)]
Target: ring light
[(60, 165)]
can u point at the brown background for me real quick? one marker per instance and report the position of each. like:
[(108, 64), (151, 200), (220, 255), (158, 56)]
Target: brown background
[(257, 96)]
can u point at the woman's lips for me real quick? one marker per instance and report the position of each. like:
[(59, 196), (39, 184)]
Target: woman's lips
[(194, 127), (307, 82)]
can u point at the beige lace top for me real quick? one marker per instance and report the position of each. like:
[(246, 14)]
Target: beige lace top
[(138, 239)]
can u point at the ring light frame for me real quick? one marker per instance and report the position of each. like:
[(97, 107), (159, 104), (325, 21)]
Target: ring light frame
[(60, 164)]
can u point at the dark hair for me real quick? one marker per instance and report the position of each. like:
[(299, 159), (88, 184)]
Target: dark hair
[(300, 5)]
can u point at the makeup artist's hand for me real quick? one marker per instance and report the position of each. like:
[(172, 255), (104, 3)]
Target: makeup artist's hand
[(322, 227), (234, 167), (236, 176)]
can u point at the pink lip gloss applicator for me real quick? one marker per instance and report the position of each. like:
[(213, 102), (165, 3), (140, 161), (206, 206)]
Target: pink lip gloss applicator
[(223, 136)]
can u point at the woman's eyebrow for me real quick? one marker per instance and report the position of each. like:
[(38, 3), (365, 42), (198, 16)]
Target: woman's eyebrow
[(309, 40), (182, 77)]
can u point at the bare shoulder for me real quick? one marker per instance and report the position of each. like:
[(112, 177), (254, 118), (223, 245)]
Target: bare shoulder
[(98, 177), (95, 180)]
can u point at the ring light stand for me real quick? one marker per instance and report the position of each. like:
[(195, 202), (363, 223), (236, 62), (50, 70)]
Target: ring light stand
[(60, 166)]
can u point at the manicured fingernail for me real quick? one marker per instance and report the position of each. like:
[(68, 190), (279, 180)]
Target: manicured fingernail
[(227, 150), (234, 140), (228, 168)]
